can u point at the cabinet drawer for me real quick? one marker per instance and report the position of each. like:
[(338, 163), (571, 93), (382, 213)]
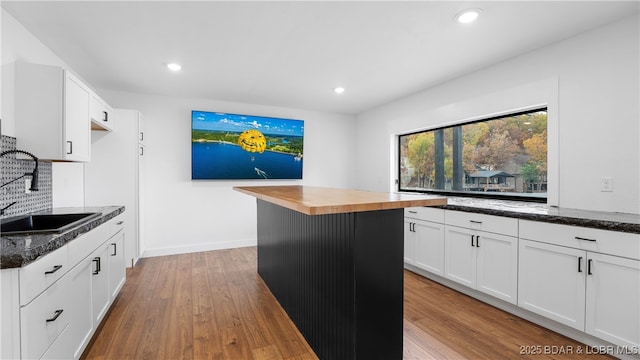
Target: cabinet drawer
[(40, 274), (482, 222), (596, 240), (116, 225), (44, 319), (85, 244), (425, 213)]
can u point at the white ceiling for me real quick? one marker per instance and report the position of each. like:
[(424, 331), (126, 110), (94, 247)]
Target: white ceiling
[(293, 54)]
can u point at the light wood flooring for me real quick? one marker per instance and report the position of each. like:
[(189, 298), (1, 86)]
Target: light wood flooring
[(213, 305)]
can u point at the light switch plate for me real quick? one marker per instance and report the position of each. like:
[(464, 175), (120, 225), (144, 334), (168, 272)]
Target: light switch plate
[(606, 184)]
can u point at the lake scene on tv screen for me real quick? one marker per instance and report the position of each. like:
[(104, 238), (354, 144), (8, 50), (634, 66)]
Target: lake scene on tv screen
[(233, 146)]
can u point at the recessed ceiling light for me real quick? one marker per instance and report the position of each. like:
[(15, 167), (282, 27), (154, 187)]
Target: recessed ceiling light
[(338, 90), (174, 67), (468, 15)]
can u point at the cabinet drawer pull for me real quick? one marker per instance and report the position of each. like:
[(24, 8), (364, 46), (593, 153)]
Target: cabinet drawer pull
[(70, 147), (55, 268), (56, 315), (475, 222), (472, 236), (589, 266), (580, 264), (477, 240), (120, 223), (106, 116), (584, 239), (115, 249), (141, 151), (141, 136), (412, 212), (97, 261)]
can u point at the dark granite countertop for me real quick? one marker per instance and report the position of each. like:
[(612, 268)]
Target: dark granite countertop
[(622, 222), (20, 250)]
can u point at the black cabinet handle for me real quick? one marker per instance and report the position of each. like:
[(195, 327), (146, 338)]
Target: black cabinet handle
[(97, 261), (580, 264), (412, 212), (477, 240), (120, 223), (106, 116), (115, 249), (55, 268), (141, 151), (56, 315), (70, 151), (141, 136), (472, 236), (584, 239), (475, 222), (589, 266)]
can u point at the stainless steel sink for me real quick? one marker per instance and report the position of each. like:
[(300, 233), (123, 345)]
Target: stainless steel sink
[(43, 223)]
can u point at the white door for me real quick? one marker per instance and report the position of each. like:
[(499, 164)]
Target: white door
[(77, 125), (100, 282), (497, 268), (552, 282), (117, 274), (80, 323), (409, 237), (460, 256), (613, 299), (428, 247)]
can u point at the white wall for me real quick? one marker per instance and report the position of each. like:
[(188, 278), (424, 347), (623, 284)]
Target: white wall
[(597, 130), (181, 215)]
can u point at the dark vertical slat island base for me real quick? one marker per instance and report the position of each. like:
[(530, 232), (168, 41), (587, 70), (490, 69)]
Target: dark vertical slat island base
[(338, 274)]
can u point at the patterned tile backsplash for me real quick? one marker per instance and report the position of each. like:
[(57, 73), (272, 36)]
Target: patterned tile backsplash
[(11, 168)]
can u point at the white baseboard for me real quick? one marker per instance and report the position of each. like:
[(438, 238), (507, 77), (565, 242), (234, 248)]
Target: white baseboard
[(198, 248)]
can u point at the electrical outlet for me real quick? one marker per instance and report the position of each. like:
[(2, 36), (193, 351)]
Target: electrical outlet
[(27, 186), (606, 184)]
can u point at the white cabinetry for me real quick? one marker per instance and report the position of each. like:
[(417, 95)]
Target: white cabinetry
[(62, 296), (424, 240), (101, 114), (481, 252), (119, 152), (588, 279), (52, 113)]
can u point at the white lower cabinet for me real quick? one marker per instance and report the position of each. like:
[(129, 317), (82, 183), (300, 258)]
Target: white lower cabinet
[(552, 283), (577, 285), (483, 261), (69, 292), (613, 299), (424, 240)]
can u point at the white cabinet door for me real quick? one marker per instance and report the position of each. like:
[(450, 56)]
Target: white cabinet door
[(613, 299), (51, 113), (551, 282), (117, 275), (428, 246), (101, 295), (409, 240), (80, 294), (101, 114), (460, 256), (77, 128), (497, 267)]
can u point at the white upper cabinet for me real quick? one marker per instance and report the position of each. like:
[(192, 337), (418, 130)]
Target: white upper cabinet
[(101, 114), (52, 113)]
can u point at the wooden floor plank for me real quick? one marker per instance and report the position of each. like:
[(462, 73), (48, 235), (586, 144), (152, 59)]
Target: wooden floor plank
[(214, 305)]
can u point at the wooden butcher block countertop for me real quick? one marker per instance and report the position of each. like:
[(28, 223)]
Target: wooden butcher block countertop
[(312, 200)]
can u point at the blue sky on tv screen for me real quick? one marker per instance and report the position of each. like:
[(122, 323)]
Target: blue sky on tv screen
[(203, 120)]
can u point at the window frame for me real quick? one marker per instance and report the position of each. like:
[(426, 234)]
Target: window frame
[(486, 195)]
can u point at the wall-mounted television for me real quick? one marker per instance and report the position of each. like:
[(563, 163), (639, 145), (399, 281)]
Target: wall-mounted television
[(234, 146)]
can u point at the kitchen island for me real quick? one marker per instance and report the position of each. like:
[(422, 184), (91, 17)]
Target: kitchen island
[(334, 260)]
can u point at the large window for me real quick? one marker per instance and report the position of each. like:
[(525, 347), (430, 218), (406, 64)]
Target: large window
[(501, 157)]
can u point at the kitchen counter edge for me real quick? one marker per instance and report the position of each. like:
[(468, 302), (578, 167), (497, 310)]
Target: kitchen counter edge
[(14, 252)]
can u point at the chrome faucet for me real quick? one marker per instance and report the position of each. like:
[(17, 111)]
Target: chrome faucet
[(34, 174)]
